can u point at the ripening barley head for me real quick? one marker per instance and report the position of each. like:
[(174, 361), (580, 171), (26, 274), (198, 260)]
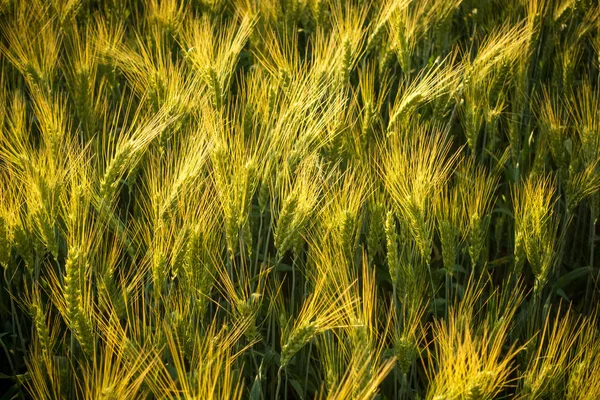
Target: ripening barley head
[(319, 313), (451, 223), (417, 165), (553, 354), (469, 359), (536, 226), (299, 198), (477, 188)]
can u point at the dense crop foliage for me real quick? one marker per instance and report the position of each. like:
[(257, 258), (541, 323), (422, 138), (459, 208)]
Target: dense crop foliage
[(297, 199)]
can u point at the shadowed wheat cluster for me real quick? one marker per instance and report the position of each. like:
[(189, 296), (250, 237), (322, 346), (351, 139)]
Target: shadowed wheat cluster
[(299, 199)]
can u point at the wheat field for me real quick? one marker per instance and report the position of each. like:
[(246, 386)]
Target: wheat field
[(299, 199)]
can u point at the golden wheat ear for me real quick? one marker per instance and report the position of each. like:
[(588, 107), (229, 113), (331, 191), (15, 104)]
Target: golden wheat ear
[(582, 382), (215, 62), (477, 188), (317, 315), (424, 88), (417, 165), (553, 352), (299, 198), (451, 224), (454, 369), (33, 44), (536, 227)]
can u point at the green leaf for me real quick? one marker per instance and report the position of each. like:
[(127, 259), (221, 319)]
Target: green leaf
[(297, 387), (562, 294), (256, 392), (571, 277), (438, 305), (459, 268), (281, 267)]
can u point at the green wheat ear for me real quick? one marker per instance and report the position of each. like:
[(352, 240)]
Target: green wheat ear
[(536, 226), (393, 256), (406, 352)]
